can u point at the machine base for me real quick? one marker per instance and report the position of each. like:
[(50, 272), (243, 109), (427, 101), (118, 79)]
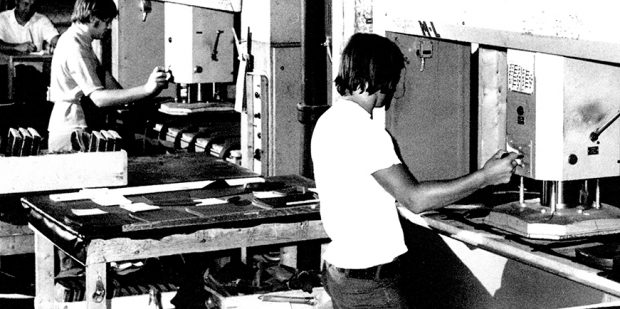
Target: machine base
[(532, 220)]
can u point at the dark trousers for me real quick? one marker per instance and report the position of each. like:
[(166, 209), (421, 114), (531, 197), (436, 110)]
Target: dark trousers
[(369, 288)]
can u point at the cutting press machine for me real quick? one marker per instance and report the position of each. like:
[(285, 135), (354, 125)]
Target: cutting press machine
[(561, 114), (198, 50)]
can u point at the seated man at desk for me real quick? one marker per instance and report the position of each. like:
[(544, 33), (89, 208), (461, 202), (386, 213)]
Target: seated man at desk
[(79, 86), (23, 30)]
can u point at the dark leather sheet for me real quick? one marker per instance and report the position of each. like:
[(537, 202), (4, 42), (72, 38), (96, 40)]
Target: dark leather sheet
[(179, 211)]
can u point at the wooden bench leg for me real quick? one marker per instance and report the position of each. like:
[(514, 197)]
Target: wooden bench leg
[(288, 256), (44, 271), (323, 249), (96, 280)]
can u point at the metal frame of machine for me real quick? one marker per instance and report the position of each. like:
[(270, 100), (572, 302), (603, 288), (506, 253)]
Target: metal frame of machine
[(573, 59)]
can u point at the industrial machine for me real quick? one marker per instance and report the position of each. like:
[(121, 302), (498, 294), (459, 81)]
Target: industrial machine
[(561, 115), (199, 51)]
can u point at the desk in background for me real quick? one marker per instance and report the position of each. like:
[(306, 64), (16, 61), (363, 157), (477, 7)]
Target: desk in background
[(40, 62)]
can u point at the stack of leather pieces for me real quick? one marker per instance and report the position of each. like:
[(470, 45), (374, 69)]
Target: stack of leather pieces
[(22, 142), (96, 140)]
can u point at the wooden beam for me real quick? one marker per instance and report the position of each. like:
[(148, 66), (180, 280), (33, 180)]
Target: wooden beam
[(222, 5), (44, 272), (63, 171), (119, 249), (492, 102), (16, 244)]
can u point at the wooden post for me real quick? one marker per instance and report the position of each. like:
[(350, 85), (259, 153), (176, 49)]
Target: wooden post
[(492, 103), (323, 249), (44, 272), (288, 256), (96, 278)]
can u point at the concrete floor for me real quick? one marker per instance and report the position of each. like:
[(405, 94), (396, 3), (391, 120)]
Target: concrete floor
[(17, 281), (9, 301)]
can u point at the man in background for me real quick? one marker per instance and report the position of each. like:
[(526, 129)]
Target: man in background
[(23, 30), (80, 87)]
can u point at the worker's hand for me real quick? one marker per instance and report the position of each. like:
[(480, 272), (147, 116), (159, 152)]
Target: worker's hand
[(499, 168), (52, 44), (157, 81), (27, 47)]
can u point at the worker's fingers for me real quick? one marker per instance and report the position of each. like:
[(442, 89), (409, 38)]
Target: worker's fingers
[(503, 154), (511, 156), (159, 76), (499, 154)]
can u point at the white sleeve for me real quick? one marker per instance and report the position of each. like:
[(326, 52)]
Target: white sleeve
[(83, 69), (378, 150), (47, 31)]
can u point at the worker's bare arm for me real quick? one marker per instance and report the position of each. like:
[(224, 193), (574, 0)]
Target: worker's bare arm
[(111, 97), (111, 82), (422, 196), (23, 48)]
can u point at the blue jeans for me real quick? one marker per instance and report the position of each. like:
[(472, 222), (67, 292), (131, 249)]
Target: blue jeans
[(348, 292)]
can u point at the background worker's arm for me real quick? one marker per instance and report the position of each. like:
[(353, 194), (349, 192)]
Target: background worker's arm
[(25, 47), (422, 196), (111, 97)]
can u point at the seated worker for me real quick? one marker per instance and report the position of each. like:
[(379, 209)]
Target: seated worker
[(79, 86), (358, 195), (23, 30)]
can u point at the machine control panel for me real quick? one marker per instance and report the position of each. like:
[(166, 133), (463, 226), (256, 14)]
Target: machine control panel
[(199, 44), (554, 106)]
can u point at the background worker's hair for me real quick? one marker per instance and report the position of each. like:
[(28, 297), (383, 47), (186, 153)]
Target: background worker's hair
[(371, 63), (84, 10)]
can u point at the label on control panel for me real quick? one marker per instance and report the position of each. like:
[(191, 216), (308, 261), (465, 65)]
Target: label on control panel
[(520, 71)]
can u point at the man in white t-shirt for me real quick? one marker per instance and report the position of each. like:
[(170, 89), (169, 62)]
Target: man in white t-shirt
[(23, 30), (80, 86), (359, 178)]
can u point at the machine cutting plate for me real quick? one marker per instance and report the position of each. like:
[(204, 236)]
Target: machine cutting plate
[(535, 221)]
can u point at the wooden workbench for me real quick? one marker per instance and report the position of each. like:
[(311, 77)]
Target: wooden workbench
[(17, 238), (123, 236)]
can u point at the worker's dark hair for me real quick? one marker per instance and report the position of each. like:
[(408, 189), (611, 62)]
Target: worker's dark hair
[(369, 58), (84, 10)]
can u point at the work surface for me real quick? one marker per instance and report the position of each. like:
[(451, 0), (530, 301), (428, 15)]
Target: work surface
[(173, 205), (564, 258), (165, 202)]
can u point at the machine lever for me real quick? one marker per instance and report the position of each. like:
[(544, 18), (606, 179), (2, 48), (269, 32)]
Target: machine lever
[(217, 40), (596, 133), (145, 8)]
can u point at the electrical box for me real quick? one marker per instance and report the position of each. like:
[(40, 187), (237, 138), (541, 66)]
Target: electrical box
[(554, 105), (199, 44)]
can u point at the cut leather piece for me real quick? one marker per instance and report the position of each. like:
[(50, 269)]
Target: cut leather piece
[(118, 140), (110, 141), (181, 198), (26, 148), (97, 142), (80, 140), (14, 142), (36, 141)]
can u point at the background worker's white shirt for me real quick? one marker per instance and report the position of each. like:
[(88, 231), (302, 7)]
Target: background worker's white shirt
[(74, 74), (39, 26), (359, 216)]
